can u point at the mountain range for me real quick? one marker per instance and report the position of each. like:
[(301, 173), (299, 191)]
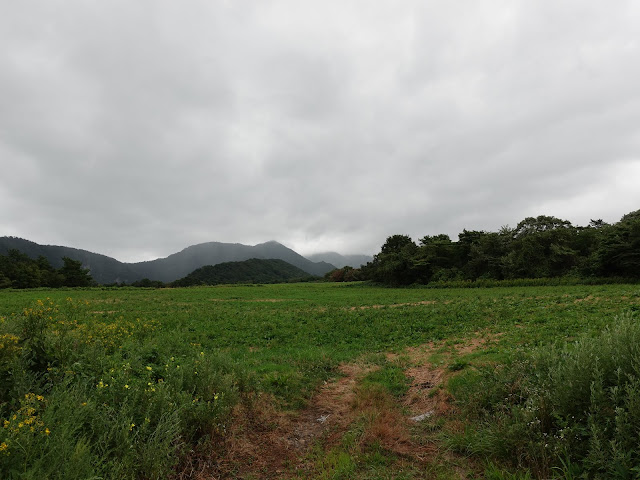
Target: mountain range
[(107, 270), (339, 261)]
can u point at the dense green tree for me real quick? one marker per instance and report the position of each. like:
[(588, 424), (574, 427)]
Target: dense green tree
[(49, 276), (538, 247), (394, 264), (486, 253), (437, 258), (74, 275), (254, 270), (539, 224), (18, 270), (541, 247), (21, 270), (398, 244), (619, 251)]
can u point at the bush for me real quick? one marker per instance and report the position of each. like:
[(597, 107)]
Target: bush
[(572, 408)]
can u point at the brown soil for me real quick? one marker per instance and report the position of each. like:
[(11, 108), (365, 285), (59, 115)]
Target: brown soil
[(266, 443)]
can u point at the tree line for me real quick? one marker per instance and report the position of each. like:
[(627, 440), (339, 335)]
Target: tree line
[(18, 270), (538, 247)]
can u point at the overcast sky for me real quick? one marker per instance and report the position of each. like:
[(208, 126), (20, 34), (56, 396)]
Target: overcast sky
[(137, 128)]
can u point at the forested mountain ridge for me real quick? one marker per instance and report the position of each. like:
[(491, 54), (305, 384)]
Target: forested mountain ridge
[(338, 260), (538, 247), (103, 269), (254, 270), (186, 261), (107, 270)]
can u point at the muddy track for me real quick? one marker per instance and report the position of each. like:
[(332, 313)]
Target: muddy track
[(266, 444)]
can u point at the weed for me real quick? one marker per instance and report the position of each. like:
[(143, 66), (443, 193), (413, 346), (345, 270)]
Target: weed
[(391, 378), (135, 381), (562, 406)]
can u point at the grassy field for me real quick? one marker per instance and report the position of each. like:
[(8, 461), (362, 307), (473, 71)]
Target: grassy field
[(137, 383)]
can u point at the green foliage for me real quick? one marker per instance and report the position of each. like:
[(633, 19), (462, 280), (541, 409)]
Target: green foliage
[(74, 275), (540, 247), (344, 274), (109, 271), (81, 397), (146, 283), (103, 269), (394, 264), (17, 270), (249, 271), (619, 253), (391, 377), (573, 408), (283, 339)]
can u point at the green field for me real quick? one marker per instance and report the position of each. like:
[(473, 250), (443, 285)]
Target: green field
[(143, 383)]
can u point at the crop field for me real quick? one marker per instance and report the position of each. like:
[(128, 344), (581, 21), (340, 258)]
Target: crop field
[(315, 381)]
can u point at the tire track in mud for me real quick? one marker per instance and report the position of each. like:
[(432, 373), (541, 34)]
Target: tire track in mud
[(264, 443)]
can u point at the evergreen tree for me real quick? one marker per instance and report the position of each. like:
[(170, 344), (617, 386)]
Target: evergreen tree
[(74, 275)]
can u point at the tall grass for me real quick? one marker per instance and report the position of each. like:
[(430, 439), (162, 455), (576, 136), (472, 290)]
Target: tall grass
[(568, 410), (85, 398)]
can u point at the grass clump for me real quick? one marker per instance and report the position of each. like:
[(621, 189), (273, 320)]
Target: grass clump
[(391, 377), (571, 410), (84, 397)]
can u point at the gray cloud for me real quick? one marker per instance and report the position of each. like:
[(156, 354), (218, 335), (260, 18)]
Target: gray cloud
[(136, 129)]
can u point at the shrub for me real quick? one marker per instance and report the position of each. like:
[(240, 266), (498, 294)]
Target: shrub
[(572, 408)]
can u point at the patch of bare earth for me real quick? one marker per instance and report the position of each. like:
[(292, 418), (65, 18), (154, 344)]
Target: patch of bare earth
[(265, 443), (426, 395)]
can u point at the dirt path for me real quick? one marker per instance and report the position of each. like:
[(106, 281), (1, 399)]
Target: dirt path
[(269, 444), (266, 444)]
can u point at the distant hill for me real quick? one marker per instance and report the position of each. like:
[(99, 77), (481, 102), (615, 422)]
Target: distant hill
[(254, 270), (182, 263), (106, 270), (103, 269), (340, 261)]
